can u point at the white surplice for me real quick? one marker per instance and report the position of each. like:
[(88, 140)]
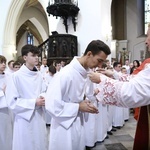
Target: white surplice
[(6, 127), (63, 96), (134, 93), (29, 126)]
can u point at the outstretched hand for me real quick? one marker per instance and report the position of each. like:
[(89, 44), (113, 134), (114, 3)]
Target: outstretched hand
[(94, 77)]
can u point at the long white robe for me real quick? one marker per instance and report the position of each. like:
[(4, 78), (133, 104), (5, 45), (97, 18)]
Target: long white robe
[(126, 113), (134, 93), (90, 125), (102, 122), (5, 118), (110, 112), (47, 79), (91, 130), (118, 117), (118, 113), (29, 126), (63, 96)]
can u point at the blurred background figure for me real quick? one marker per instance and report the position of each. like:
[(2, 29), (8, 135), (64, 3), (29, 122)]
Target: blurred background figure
[(49, 75), (124, 70), (16, 66), (127, 66), (57, 66), (136, 64), (44, 67), (10, 68), (62, 63), (38, 66)]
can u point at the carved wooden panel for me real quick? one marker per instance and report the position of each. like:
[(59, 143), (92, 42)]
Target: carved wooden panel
[(62, 46)]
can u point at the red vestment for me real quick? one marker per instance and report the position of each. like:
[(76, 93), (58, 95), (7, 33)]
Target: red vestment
[(142, 138)]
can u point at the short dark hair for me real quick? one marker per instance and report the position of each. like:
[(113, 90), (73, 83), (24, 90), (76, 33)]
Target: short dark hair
[(2, 59), (96, 46), (115, 64), (52, 69), (16, 63), (10, 62), (29, 48)]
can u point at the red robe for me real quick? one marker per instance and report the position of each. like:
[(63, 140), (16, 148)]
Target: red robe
[(142, 138)]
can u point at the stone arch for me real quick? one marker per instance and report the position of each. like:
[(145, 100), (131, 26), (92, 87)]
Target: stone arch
[(9, 39), (11, 22)]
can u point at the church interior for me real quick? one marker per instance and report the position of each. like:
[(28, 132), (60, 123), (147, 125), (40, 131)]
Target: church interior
[(61, 29)]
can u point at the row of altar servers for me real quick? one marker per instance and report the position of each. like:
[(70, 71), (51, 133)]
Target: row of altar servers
[(98, 125)]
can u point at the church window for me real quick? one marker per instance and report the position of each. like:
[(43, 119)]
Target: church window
[(29, 38)]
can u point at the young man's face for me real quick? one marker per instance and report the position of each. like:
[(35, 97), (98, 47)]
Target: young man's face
[(11, 65), (96, 60), (124, 71), (31, 59), (118, 68), (58, 67), (2, 66), (44, 61), (38, 67), (16, 67), (127, 62)]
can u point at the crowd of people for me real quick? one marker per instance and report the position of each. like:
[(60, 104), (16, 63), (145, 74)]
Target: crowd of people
[(34, 96), (23, 125)]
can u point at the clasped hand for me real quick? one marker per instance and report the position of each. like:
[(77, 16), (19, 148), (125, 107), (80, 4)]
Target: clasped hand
[(40, 101), (87, 106)]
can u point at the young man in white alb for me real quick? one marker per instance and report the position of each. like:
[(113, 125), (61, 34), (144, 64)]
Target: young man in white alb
[(5, 115), (23, 96)]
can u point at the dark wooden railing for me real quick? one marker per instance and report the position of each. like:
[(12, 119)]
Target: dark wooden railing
[(59, 47)]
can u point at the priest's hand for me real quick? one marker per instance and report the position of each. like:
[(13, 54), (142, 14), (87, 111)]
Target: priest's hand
[(40, 101), (108, 73), (87, 106), (96, 91), (94, 77)]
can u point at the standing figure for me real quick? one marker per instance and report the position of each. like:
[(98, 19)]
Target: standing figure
[(5, 115), (23, 96), (65, 99)]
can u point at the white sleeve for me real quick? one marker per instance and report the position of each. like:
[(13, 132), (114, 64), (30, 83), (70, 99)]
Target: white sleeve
[(3, 103), (20, 106), (63, 112), (131, 94)]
